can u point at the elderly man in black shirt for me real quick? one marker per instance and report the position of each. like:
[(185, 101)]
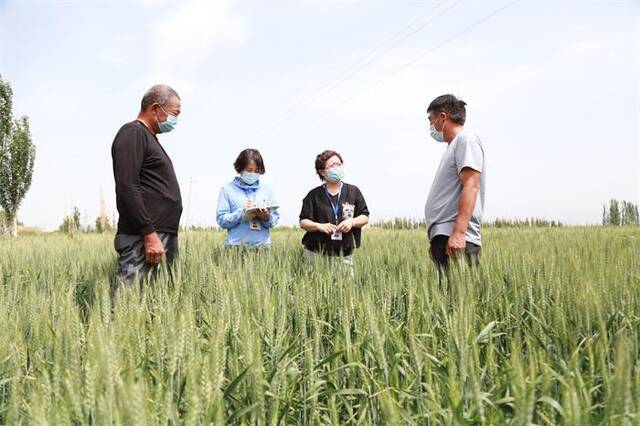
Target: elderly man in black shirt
[(147, 191)]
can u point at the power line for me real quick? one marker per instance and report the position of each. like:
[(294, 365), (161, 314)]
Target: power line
[(367, 59), (398, 42), (445, 42), (421, 56), (360, 65)]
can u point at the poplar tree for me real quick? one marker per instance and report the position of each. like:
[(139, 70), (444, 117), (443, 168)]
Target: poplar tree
[(17, 155)]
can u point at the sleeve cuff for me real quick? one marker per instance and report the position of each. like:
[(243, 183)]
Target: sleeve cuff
[(267, 223), (147, 229), (473, 167)]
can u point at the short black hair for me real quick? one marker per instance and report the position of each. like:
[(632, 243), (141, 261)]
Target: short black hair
[(245, 157), (451, 105)]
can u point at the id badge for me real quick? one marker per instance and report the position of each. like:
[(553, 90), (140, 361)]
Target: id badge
[(254, 225), (336, 236)]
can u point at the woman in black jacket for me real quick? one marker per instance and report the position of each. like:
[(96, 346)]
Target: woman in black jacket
[(332, 213)]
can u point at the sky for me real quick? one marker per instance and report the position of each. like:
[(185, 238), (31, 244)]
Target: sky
[(552, 89)]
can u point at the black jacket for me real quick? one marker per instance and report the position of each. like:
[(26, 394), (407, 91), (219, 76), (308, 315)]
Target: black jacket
[(317, 207)]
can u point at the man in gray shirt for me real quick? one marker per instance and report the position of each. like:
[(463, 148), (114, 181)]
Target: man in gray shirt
[(456, 199)]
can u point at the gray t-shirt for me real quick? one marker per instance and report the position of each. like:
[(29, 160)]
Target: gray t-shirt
[(443, 202)]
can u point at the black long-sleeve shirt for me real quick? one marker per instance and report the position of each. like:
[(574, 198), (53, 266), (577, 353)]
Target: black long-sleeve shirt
[(147, 191)]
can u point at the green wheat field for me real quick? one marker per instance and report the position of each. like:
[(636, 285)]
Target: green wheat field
[(547, 331)]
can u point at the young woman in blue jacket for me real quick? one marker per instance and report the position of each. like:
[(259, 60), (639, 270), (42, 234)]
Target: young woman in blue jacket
[(245, 205)]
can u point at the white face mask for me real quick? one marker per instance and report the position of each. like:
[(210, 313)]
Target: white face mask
[(435, 134)]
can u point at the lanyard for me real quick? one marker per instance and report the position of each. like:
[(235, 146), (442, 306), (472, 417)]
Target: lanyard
[(335, 207), (248, 191)]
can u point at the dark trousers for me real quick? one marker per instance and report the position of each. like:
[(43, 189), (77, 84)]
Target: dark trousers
[(132, 259), (438, 252)]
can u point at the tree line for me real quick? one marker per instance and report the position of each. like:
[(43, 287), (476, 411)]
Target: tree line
[(620, 213)]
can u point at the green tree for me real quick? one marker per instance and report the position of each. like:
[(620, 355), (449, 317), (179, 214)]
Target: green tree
[(71, 223), (614, 213), (605, 215), (620, 213), (17, 156), (103, 224), (629, 213)]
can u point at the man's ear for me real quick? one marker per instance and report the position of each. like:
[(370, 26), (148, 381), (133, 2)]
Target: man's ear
[(156, 108)]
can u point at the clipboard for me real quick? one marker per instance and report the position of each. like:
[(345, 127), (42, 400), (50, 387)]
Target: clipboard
[(253, 211)]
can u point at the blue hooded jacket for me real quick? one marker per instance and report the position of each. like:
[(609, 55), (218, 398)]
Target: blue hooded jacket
[(230, 212)]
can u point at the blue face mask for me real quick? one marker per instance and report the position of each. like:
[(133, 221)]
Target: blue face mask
[(169, 124), (335, 174), (249, 178), (437, 135)]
